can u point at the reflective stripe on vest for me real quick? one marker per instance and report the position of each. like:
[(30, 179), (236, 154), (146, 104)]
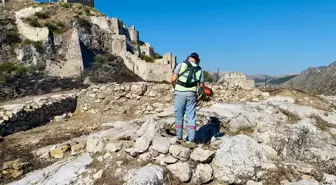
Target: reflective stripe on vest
[(184, 77)]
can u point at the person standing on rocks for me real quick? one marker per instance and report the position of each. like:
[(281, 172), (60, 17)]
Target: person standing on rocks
[(187, 80)]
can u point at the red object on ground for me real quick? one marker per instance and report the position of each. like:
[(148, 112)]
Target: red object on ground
[(208, 91)]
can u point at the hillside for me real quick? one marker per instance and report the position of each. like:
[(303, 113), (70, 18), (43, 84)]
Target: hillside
[(271, 80), (316, 80)]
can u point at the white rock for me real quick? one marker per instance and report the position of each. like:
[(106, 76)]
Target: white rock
[(113, 147), (250, 182), (180, 152), (181, 170), (161, 144), (98, 175), (145, 157), (148, 175), (202, 174), (201, 155), (95, 143), (142, 144), (149, 128), (303, 182), (237, 159), (65, 172), (329, 179)]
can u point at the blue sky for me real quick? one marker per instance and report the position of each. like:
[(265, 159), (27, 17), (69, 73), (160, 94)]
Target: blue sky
[(253, 36), (272, 37)]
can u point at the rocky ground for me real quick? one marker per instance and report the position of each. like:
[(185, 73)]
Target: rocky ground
[(124, 134)]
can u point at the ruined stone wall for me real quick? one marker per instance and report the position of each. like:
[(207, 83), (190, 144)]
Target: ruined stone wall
[(147, 49), (85, 2), (73, 65), (20, 117), (237, 78)]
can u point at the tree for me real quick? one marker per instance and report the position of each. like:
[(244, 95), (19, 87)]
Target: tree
[(208, 77)]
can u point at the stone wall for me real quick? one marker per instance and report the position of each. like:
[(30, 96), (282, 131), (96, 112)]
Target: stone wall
[(147, 50), (237, 78), (85, 2), (20, 117), (73, 65)]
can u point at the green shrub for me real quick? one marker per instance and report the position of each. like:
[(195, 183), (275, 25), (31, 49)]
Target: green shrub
[(37, 44), (60, 24), (11, 38), (8, 69), (33, 22), (147, 58), (42, 15), (100, 59), (157, 56), (66, 5), (84, 23)]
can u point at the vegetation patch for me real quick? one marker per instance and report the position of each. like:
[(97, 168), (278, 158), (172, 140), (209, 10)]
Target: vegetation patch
[(33, 21), (147, 58), (9, 69), (37, 44), (11, 38), (84, 23), (157, 56), (100, 59), (41, 15), (55, 26), (321, 123), (66, 5)]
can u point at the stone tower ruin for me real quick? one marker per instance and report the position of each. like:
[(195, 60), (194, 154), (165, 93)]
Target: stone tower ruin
[(85, 2)]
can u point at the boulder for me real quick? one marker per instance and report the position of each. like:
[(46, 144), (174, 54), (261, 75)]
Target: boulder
[(202, 174), (77, 148), (95, 143), (237, 159), (113, 147), (142, 144), (161, 144), (139, 88), (181, 170), (59, 151), (149, 175), (180, 152), (201, 155)]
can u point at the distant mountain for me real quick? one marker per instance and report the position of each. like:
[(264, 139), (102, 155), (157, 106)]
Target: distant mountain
[(271, 80), (316, 80)]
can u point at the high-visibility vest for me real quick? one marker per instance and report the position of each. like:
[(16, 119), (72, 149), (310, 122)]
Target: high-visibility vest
[(188, 78)]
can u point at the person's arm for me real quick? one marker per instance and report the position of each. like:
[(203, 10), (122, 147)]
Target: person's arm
[(173, 80), (175, 75), (202, 80)]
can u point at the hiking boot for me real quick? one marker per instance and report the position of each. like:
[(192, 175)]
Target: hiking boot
[(189, 144)]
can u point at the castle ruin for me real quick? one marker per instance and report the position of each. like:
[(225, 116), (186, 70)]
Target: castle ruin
[(85, 2), (237, 78)]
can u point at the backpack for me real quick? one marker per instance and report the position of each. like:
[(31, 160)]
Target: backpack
[(191, 79)]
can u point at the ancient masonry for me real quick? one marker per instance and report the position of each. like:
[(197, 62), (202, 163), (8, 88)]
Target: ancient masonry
[(85, 2), (122, 41), (125, 43), (20, 117), (237, 78)]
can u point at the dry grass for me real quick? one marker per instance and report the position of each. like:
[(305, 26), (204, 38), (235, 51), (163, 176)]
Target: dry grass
[(292, 118), (246, 130), (321, 124)]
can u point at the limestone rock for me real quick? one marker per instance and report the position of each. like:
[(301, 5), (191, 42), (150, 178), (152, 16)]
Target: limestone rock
[(98, 175), (114, 147), (237, 159), (95, 143), (142, 144), (149, 175), (149, 128), (170, 159), (145, 157), (59, 151), (161, 144), (302, 182), (202, 174), (180, 152), (250, 182), (181, 170), (329, 179), (201, 155), (77, 148), (139, 88)]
